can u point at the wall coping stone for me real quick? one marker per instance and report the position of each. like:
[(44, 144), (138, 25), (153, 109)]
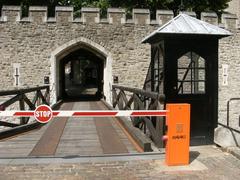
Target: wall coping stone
[(229, 16), (164, 12), (85, 9), (37, 8), (64, 8), (141, 11), (11, 8), (115, 10), (209, 14)]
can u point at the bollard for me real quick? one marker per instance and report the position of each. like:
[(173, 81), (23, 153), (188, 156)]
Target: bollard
[(178, 134)]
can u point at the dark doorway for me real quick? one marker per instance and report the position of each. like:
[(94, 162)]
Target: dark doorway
[(81, 76), (191, 76)]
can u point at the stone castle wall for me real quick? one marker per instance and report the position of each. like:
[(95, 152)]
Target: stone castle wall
[(234, 7), (30, 41)]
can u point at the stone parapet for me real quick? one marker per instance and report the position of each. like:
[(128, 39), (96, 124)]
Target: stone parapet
[(210, 17), (141, 16), (64, 14), (38, 14), (11, 13), (230, 21), (163, 16), (90, 15), (116, 15)]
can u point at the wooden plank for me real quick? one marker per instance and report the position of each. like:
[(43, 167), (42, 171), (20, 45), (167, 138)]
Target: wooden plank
[(80, 135), (135, 133), (48, 143), (110, 141)]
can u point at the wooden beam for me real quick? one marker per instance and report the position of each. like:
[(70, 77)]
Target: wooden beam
[(11, 101), (22, 108), (22, 91), (29, 103), (19, 129), (8, 124)]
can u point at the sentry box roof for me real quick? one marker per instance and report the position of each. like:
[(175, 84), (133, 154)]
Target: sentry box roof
[(185, 25)]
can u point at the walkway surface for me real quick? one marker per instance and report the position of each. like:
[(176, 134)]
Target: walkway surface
[(72, 136), (207, 162)]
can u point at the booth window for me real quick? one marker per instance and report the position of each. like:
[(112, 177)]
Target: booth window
[(191, 74)]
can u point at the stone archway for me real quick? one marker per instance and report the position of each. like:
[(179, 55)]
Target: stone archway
[(71, 46)]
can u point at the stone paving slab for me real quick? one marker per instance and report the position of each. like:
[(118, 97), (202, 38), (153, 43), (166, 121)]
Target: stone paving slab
[(235, 151), (207, 162)]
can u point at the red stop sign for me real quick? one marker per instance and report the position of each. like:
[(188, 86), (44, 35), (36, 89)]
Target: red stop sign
[(43, 113)]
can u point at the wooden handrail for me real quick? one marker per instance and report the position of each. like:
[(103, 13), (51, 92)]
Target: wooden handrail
[(127, 98), (22, 91), (20, 95), (153, 95)]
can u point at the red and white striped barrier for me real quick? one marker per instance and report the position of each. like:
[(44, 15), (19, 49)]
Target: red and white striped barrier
[(44, 113), (88, 113)]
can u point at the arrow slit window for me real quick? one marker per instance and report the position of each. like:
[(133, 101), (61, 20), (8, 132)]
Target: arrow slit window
[(16, 74), (191, 74)]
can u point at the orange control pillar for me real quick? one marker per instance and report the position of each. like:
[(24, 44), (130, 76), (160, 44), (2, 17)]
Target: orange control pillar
[(178, 134)]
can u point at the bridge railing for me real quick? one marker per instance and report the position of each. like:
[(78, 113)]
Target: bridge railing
[(21, 99), (126, 98)]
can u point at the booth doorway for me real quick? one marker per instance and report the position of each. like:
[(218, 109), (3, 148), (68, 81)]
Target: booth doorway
[(191, 76)]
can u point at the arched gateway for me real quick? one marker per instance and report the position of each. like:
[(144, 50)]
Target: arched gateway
[(81, 68)]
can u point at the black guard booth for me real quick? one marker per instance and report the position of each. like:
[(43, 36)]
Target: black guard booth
[(184, 66)]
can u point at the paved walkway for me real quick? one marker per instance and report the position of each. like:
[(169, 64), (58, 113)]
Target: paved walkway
[(207, 162)]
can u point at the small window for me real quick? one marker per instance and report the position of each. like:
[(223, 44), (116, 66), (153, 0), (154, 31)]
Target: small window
[(16, 74), (191, 74)]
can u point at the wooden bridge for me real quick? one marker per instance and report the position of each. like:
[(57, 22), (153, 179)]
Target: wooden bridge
[(80, 136)]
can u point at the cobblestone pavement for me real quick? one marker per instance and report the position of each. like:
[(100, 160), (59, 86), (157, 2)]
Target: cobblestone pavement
[(207, 162)]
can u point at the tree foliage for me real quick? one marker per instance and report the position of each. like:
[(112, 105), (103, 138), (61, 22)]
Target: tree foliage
[(197, 6)]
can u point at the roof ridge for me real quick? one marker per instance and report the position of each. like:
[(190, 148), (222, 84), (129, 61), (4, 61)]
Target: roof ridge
[(185, 24)]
